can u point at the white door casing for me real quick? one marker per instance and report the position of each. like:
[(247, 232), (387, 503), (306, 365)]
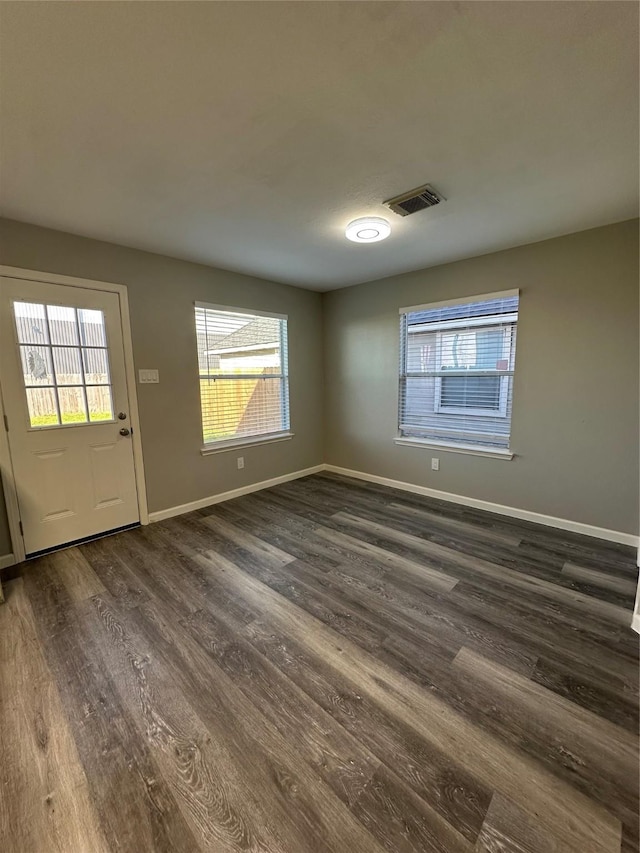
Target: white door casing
[(70, 480)]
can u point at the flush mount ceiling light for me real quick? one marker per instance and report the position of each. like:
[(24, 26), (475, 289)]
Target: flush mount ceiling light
[(369, 229)]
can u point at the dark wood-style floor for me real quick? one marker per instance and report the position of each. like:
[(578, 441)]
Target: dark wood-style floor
[(328, 665)]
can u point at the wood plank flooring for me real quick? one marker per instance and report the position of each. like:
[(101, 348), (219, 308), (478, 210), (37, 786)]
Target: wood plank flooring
[(328, 665)]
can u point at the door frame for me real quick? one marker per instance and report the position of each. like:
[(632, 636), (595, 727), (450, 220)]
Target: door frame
[(8, 478)]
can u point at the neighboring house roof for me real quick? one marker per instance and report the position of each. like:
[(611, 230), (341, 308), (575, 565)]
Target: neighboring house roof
[(272, 347), (261, 333)]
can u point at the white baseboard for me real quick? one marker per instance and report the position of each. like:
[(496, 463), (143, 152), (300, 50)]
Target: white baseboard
[(7, 560), (172, 511), (500, 509), (635, 623)]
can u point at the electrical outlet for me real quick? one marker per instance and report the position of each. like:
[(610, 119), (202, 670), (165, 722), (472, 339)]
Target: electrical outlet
[(435, 463), (240, 462)]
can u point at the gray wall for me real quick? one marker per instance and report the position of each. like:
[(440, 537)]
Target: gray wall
[(575, 420), (162, 291)]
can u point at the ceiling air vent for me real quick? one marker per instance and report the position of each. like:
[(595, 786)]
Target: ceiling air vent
[(415, 200)]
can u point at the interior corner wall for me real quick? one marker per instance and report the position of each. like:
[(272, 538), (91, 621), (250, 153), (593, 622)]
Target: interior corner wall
[(575, 422), (162, 291), (575, 408)]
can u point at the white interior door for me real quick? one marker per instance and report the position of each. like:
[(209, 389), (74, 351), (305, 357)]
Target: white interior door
[(65, 398)]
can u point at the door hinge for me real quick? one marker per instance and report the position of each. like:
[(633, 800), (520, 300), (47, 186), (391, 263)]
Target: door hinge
[(6, 422), (21, 529)]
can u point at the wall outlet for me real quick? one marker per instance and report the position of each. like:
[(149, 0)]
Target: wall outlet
[(435, 463), (240, 461)]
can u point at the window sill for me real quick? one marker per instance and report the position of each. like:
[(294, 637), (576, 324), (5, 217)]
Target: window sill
[(234, 444), (469, 449)]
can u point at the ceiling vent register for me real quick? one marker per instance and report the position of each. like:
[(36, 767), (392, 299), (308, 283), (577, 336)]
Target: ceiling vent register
[(414, 200)]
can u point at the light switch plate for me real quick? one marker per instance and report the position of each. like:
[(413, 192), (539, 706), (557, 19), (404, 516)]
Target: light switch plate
[(147, 376)]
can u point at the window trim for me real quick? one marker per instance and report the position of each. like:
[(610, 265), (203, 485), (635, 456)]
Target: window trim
[(248, 441), (503, 453), (223, 444)]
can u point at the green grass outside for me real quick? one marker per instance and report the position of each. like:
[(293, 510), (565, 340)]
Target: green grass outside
[(69, 418)]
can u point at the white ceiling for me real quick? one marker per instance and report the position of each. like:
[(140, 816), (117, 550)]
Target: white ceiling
[(246, 135)]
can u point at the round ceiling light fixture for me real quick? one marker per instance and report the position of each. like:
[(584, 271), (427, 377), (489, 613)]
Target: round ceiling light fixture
[(369, 229)]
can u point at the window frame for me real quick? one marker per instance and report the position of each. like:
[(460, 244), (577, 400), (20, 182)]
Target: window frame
[(222, 444), (479, 441)]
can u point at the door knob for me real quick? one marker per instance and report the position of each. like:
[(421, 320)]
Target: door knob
[(124, 431), (122, 416)]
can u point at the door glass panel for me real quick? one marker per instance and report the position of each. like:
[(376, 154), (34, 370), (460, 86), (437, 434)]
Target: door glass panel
[(66, 361), (36, 365), (65, 364), (73, 407), (43, 409), (96, 366), (100, 405), (31, 323), (63, 325), (92, 332)]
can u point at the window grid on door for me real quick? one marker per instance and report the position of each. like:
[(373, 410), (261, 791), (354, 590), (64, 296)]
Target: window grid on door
[(65, 364)]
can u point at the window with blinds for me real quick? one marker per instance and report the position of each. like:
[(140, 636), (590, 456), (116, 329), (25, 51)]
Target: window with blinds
[(242, 361), (457, 363)]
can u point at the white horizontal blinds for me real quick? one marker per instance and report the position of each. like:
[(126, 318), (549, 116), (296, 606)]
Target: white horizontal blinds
[(65, 364), (456, 370), (242, 361)]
